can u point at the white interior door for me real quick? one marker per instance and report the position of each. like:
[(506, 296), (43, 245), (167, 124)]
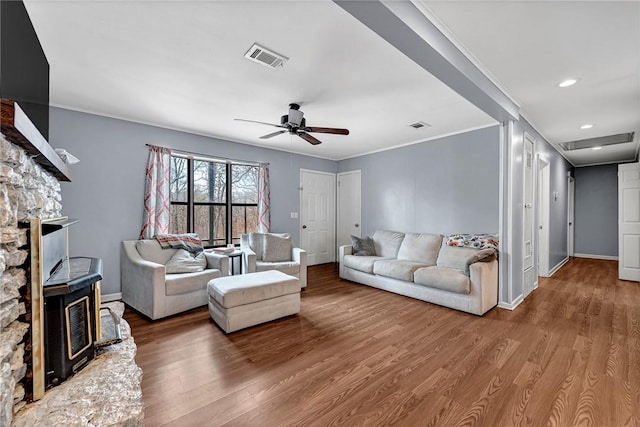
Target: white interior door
[(571, 215), (528, 213), (349, 206), (543, 217), (629, 221), (317, 216)]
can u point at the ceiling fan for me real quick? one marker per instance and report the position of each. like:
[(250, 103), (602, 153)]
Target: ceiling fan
[(295, 124)]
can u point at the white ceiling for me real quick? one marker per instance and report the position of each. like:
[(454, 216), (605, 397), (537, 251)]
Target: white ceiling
[(180, 65), (531, 46)]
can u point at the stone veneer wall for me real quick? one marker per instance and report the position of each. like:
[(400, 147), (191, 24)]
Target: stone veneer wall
[(26, 192)]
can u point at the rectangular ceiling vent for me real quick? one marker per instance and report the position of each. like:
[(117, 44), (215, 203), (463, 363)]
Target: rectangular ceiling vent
[(418, 125), (264, 56), (601, 141)]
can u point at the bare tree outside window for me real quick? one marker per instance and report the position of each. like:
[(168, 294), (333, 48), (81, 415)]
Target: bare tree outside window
[(205, 194)]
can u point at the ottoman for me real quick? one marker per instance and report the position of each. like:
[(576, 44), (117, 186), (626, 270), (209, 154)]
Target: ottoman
[(237, 302)]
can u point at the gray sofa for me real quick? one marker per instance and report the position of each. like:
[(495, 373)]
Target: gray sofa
[(424, 267), (149, 289)]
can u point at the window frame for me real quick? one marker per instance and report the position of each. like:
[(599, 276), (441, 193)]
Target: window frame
[(228, 205)]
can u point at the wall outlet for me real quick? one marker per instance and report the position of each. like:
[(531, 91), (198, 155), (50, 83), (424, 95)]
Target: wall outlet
[(294, 215)]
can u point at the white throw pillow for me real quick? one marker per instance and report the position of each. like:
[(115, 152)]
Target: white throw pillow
[(276, 248), (184, 262), (151, 250)]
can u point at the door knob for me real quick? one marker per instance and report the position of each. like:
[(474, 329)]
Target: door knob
[(304, 226), (357, 225)]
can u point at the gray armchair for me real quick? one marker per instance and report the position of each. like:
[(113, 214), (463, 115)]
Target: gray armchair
[(271, 251), (149, 289)]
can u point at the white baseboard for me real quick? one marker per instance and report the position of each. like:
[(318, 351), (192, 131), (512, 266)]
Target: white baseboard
[(513, 305), (111, 297), (558, 267), (607, 257)]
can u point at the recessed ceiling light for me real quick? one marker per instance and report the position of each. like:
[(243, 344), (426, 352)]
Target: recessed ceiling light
[(596, 148), (568, 82), (587, 126)]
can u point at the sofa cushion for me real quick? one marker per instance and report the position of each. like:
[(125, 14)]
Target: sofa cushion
[(276, 248), (176, 284), (362, 246), (361, 263), (460, 258), (397, 268), (287, 267), (420, 248), (184, 262), (443, 278), (387, 243), (151, 250)]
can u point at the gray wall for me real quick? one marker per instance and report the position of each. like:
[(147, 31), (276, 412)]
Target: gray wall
[(558, 250), (447, 185), (596, 210), (108, 184)]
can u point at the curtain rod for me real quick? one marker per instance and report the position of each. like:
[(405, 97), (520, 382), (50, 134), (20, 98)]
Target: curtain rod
[(206, 156)]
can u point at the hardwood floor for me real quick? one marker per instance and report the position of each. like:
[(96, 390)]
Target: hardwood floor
[(355, 355)]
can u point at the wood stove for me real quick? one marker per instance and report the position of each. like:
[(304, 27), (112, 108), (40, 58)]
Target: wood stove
[(71, 317), (65, 305)]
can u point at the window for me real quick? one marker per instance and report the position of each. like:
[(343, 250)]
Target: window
[(205, 193)]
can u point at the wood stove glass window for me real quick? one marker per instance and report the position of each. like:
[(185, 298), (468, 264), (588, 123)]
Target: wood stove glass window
[(78, 329), (218, 200)]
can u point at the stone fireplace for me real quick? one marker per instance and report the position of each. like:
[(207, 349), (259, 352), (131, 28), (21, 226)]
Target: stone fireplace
[(27, 192), (107, 391)]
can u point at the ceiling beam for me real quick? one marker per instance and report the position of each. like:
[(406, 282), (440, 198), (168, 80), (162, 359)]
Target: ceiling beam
[(403, 25)]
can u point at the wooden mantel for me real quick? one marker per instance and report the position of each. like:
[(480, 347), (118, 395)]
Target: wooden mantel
[(18, 129)]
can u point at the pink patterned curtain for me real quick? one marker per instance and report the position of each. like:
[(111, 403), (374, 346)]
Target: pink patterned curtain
[(155, 219), (264, 199)]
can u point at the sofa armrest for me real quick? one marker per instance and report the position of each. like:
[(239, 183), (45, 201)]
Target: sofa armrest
[(218, 261), (342, 251), (248, 261), (142, 282), (484, 286), (300, 256)]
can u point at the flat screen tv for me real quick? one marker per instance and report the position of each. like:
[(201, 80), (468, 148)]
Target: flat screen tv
[(24, 69)]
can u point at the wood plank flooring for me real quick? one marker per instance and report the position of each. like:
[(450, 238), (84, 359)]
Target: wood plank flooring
[(355, 355)]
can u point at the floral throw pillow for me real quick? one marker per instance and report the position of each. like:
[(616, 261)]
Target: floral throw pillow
[(477, 241), (363, 247)]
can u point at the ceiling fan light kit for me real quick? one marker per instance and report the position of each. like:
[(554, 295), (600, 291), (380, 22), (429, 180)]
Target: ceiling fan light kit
[(295, 124)]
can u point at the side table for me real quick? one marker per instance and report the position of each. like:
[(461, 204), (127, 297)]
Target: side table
[(232, 256)]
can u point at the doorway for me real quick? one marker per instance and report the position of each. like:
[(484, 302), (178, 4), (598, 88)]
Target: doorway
[(571, 215), (349, 206), (317, 216), (629, 221), (543, 216), (528, 222)]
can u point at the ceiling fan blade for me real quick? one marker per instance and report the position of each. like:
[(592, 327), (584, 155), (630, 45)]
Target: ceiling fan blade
[(309, 138), (262, 123), (335, 131), (272, 134)]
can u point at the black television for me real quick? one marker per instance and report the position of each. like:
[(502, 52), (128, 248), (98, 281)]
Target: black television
[(24, 69)]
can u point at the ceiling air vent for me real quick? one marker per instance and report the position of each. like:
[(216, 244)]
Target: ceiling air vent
[(601, 141), (418, 125), (265, 56)]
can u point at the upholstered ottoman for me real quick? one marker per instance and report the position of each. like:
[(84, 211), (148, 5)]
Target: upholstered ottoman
[(237, 302)]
